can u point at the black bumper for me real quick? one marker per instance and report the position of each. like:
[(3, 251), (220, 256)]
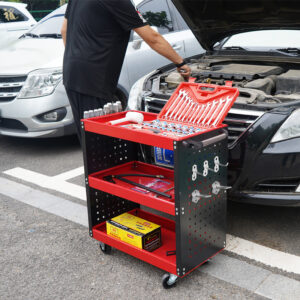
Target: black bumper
[(265, 173)]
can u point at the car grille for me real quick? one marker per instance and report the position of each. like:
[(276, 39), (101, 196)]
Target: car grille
[(10, 87), (278, 186), (12, 124), (238, 120)]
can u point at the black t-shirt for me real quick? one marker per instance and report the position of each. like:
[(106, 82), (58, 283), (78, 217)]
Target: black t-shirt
[(97, 37)]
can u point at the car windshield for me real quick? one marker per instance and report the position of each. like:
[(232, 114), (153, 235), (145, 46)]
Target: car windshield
[(264, 40), (50, 27)]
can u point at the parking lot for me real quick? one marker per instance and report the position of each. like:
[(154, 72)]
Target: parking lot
[(46, 251)]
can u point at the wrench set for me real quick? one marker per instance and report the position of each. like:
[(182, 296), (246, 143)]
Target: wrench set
[(194, 108), (199, 105)]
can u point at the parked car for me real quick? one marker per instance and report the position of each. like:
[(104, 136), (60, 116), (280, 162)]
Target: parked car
[(258, 49), (15, 19), (33, 102)]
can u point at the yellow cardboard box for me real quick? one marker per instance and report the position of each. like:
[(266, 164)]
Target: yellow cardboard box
[(135, 231)]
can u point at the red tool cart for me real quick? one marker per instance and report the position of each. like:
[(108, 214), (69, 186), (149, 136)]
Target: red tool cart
[(121, 176)]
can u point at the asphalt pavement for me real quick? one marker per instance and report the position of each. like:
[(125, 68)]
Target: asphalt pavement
[(46, 252)]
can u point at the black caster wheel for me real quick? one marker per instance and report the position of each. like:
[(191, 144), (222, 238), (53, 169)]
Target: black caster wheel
[(169, 281), (106, 249)]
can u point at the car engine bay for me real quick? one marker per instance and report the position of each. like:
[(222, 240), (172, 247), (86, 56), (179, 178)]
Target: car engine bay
[(259, 84)]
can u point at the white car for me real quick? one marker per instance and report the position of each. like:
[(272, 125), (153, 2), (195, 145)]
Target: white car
[(15, 20), (33, 101)]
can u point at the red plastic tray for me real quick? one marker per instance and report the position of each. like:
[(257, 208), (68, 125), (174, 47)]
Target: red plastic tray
[(129, 192), (158, 257), (203, 105)]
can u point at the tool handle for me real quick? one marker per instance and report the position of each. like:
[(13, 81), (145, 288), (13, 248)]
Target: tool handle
[(118, 121)]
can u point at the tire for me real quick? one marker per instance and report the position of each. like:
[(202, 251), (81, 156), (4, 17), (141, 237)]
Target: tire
[(106, 249), (165, 282)]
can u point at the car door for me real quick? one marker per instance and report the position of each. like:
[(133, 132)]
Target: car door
[(140, 58), (191, 45)]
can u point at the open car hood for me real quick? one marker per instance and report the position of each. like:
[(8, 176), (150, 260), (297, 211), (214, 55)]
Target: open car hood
[(213, 20)]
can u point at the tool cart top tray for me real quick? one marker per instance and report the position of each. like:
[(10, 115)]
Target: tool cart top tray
[(202, 107)]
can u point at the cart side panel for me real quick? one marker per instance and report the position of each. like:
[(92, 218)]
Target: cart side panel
[(102, 152), (200, 222)]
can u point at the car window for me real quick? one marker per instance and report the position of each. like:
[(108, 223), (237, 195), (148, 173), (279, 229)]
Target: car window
[(157, 13), (51, 25), (265, 39), (10, 14), (181, 23)]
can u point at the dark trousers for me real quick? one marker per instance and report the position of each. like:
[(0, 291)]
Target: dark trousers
[(81, 103)]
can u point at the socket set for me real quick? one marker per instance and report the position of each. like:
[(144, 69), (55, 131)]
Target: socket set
[(193, 109), (108, 108), (165, 128)]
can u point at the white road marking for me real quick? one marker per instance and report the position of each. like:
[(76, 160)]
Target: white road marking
[(231, 270), (274, 258), (63, 208), (55, 183), (248, 249), (70, 174)]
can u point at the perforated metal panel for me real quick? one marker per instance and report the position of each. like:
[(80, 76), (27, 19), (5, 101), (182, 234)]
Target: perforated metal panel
[(100, 153), (200, 205)]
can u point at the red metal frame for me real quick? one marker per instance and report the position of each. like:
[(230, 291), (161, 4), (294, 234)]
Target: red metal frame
[(158, 257), (126, 191)]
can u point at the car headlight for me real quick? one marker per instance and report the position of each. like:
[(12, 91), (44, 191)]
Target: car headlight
[(40, 83), (289, 129), (135, 95)]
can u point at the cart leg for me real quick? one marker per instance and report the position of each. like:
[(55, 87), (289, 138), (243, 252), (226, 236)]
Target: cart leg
[(169, 280), (106, 249)]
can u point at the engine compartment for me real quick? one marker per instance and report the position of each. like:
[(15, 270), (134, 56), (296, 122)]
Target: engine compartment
[(257, 83)]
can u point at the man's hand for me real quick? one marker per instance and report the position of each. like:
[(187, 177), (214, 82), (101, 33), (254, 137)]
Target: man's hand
[(161, 46), (185, 71)]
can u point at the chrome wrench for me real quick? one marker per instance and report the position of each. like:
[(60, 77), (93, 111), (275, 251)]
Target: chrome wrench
[(187, 114), (180, 102), (228, 100), (181, 92), (210, 111), (183, 113), (194, 113), (221, 101), (205, 112), (180, 109)]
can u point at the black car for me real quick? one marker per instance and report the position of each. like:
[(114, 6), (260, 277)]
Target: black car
[(256, 45)]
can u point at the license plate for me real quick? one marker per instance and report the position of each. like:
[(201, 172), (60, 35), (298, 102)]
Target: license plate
[(164, 157)]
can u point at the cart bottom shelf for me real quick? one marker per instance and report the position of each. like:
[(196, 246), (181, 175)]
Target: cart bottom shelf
[(158, 257)]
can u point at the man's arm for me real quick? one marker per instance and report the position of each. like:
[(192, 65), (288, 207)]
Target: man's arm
[(161, 46), (64, 31)]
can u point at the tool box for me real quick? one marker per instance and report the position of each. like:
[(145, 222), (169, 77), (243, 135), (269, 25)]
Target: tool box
[(120, 177), (135, 231)]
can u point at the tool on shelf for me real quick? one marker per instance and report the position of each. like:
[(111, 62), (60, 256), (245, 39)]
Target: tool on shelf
[(108, 108), (120, 177), (131, 116)]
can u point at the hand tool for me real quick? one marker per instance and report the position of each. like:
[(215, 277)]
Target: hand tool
[(120, 177), (221, 101), (181, 92), (178, 106), (228, 101), (205, 112), (214, 103), (131, 116)]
